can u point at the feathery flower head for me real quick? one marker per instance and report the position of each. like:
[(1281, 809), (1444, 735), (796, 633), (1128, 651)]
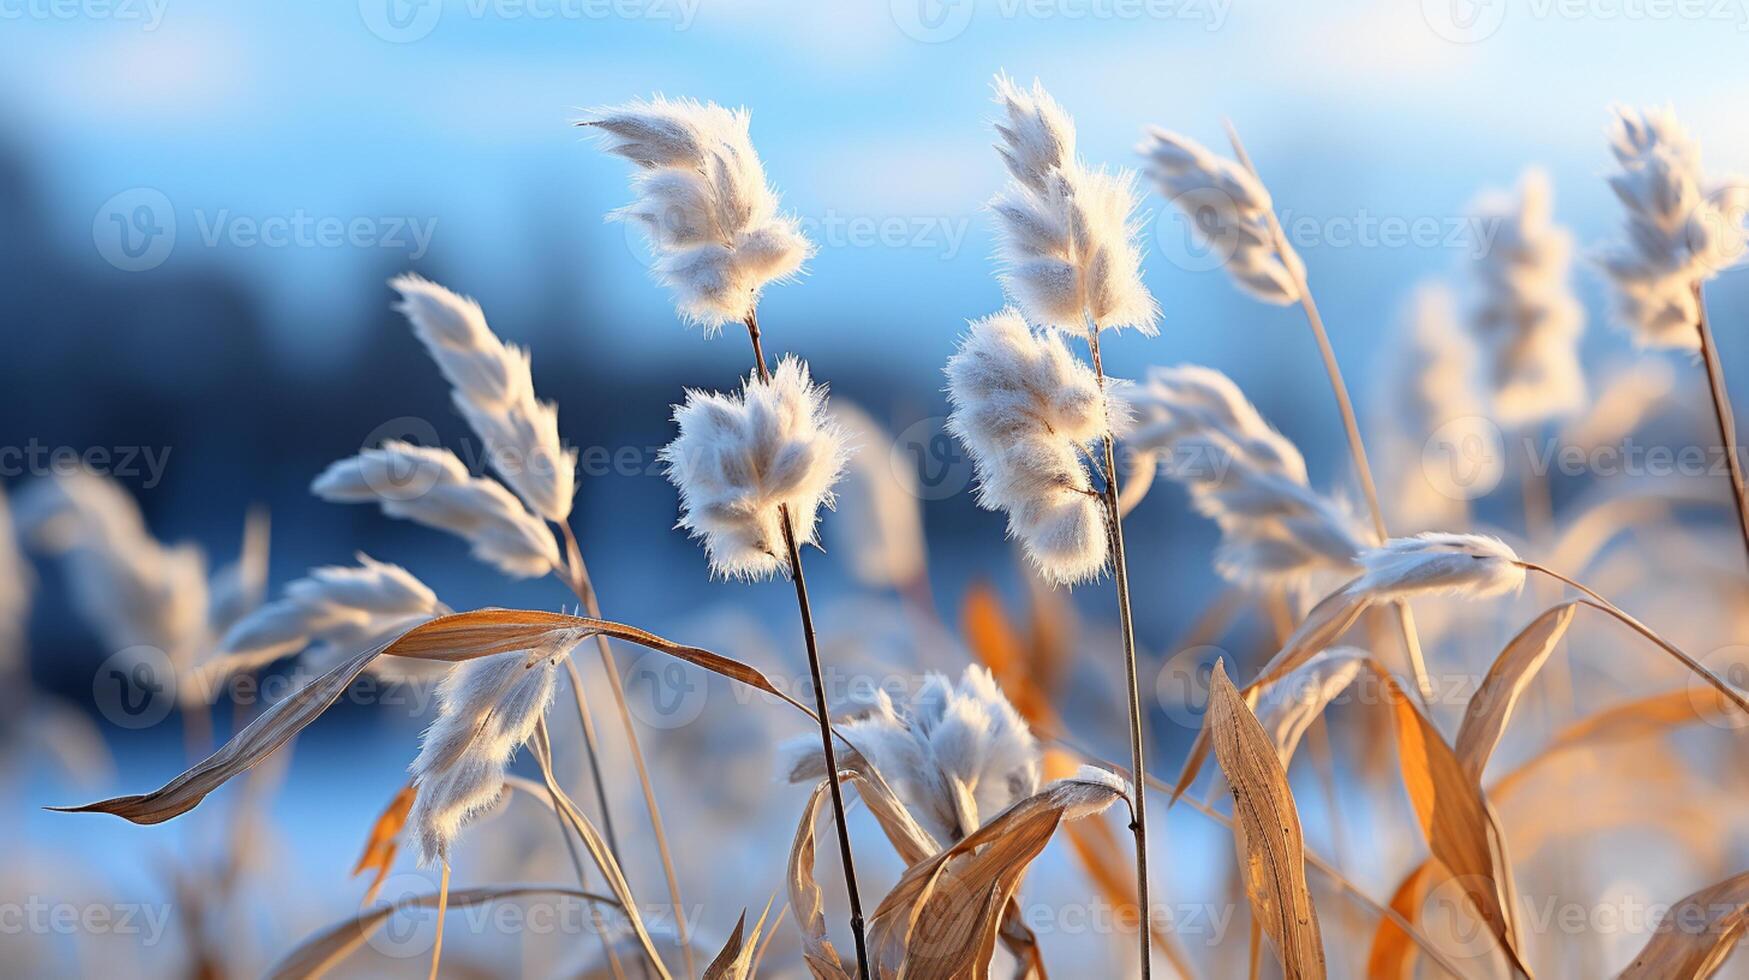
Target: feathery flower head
[(336, 611), (1473, 566), (495, 392), (1068, 234), (1230, 210), (133, 589), (703, 200), (1244, 475), (1025, 409), (1525, 313), (486, 709), (955, 754), (1681, 230), (432, 487), (739, 460)]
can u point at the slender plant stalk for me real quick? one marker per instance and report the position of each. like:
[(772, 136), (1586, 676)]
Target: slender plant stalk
[(1715, 377), (584, 588), (587, 721), (1602, 604), (820, 709), (1356, 446), (442, 910), (1126, 623), (543, 747)]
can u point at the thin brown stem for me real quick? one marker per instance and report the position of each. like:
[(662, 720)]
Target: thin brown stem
[(1602, 604), (442, 910), (1126, 623), (1715, 377), (816, 675), (1356, 446), (544, 747), (584, 588), (586, 720)]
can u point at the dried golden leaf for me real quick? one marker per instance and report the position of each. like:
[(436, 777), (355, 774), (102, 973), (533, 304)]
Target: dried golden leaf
[(384, 841), (736, 956), (449, 639), (1267, 829), (804, 896), (1454, 816), (945, 914), (1697, 935), (1393, 952), (1491, 706), (321, 952)]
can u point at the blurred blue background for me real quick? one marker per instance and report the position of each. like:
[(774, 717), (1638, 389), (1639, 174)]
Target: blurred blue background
[(200, 203)]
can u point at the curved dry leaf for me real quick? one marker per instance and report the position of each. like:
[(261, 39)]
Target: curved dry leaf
[(1266, 829), (321, 952), (1291, 704), (945, 914), (735, 961), (384, 841), (448, 639), (804, 896), (1696, 937), (1454, 816), (1489, 709)]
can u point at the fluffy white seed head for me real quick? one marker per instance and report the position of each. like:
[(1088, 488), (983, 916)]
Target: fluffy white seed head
[(132, 589), (432, 487), (1524, 313), (1069, 242), (1026, 409), (879, 506), (703, 201), (955, 754), (1244, 475), (336, 611), (1681, 229), (1229, 208), (1472, 566), (740, 460), (486, 709), (492, 387)]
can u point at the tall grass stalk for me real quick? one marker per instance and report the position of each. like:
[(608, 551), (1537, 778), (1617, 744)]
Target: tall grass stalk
[(1715, 377), (816, 675), (1126, 624), (1356, 446)]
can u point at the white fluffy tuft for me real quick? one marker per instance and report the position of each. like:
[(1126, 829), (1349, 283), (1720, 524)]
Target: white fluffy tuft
[(1026, 409), (1472, 566), (492, 387), (704, 203), (1069, 245), (432, 487), (740, 459), (1681, 230), (1525, 314), (1230, 209)]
